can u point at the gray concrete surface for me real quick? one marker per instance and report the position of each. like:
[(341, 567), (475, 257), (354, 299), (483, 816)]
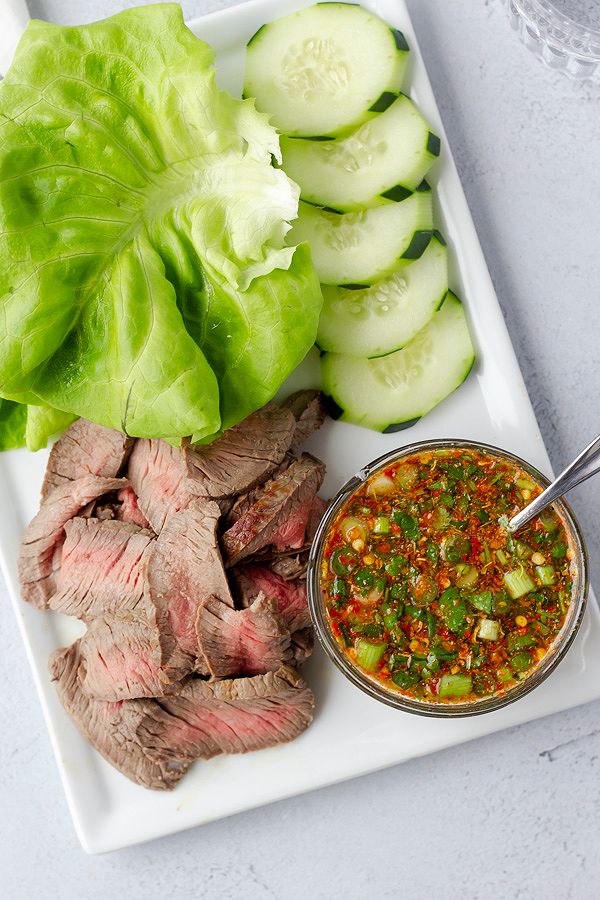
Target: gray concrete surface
[(516, 815)]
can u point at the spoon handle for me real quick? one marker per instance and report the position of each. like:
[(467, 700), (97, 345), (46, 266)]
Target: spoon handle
[(582, 468)]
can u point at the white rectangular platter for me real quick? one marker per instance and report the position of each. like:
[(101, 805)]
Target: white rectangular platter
[(351, 734)]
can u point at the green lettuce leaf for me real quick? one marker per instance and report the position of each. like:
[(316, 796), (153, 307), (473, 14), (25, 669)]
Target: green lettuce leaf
[(30, 426), (145, 281), (247, 336), (43, 422), (13, 422)]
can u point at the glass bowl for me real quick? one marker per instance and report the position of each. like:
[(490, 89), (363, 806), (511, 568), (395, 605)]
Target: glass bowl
[(440, 709), (566, 44)]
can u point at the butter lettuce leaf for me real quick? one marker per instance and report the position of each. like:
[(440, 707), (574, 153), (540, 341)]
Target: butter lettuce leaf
[(13, 422), (30, 426), (145, 284), (44, 422)]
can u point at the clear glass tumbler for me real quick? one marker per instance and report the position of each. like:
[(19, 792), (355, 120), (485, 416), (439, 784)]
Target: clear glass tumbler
[(564, 34)]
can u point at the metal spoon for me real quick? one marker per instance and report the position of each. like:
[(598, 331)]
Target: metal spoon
[(582, 468)]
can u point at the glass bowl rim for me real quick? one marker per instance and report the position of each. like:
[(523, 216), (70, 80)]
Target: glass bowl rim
[(559, 28), (399, 701)]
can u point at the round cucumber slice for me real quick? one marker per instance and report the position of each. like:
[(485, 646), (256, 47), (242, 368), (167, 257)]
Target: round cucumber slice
[(364, 247), (387, 392), (377, 320), (382, 161), (324, 69)]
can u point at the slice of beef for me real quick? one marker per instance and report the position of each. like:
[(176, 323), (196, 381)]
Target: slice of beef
[(152, 742), (159, 479), (166, 479), (39, 557), (316, 513), (242, 504), (185, 569), (250, 641), (243, 456), (252, 579), (308, 409), (232, 716), (290, 568), (299, 529), (295, 534), (123, 657), (290, 491), (113, 727), (278, 554), (128, 509), (103, 566), (86, 449), (303, 643)]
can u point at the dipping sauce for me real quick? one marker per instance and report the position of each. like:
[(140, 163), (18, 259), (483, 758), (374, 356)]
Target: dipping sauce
[(428, 593)]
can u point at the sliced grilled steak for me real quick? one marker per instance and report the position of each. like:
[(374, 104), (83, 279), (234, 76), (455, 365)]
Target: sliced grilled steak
[(250, 580), (242, 642), (129, 511), (258, 527), (242, 504), (39, 557), (159, 609), (308, 409), (243, 456), (294, 534), (185, 569), (290, 568), (303, 643), (300, 527), (166, 479), (113, 728), (316, 513), (233, 716), (102, 571), (123, 657), (86, 449), (159, 479)]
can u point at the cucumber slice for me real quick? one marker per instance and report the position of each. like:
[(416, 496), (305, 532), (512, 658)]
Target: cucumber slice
[(386, 393), (377, 320), (320, 71), (364, 247), (382, 161)]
